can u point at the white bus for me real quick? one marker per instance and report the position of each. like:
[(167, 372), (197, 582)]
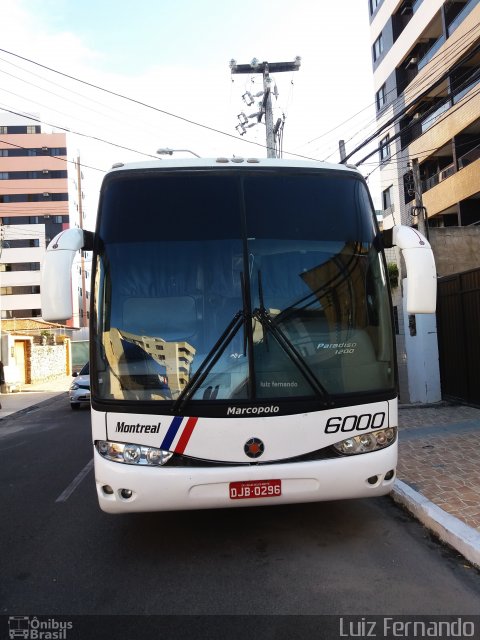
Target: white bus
[(241, 333)]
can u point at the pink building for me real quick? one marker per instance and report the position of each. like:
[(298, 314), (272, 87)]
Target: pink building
[(34, 207)]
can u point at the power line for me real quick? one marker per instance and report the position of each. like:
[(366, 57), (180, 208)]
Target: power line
[(450, 50), (447, 114), (85, 135), (417, 82), (142, 104), (392, 121)]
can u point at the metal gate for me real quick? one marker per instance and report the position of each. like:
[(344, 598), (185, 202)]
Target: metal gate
[(458, 324)]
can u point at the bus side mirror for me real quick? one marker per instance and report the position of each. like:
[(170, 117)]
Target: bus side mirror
[(421, 272), (56, 283)]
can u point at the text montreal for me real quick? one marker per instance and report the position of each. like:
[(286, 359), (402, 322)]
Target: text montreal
[(137, 428)]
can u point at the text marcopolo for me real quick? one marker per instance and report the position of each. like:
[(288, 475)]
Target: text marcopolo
[(257, 411)]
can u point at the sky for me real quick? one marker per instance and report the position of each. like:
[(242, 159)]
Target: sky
[(173, 57)]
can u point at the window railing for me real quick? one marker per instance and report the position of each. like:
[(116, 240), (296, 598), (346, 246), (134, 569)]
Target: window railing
[(458, 96), (431, 182), (416, 4), (461, 16), (431, 52), (469, 157), (433, 117)]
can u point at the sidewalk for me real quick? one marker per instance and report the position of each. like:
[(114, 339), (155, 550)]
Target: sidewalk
[(33, 394), (438, 474)]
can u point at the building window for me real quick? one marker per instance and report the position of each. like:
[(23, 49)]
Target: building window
[(378, 48), (20, 244), (387, 198), (385, 148), (395, 321), (3, 175), (58, 219), (4, 152), (21, 313), (20, 266), (31, 128), (373, 6), (34, 197), (3, 130), (18, 291), (381, 97)]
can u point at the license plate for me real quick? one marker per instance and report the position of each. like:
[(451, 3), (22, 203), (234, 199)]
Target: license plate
[(255, 489)]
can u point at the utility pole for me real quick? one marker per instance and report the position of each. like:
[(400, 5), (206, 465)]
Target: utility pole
[(265, 68), (419, 210), (83, 322)]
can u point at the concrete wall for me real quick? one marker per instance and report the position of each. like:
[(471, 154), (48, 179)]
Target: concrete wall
[(48, 361), (455, 249)]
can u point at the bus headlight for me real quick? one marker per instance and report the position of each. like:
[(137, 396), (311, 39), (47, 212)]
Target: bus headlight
[(371, 441), (132, 453)]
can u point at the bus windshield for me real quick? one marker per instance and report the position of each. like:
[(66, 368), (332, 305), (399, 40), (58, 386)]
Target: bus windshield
[(239, 285)]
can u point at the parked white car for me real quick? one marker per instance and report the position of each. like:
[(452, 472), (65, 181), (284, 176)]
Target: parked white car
[(79, 392)]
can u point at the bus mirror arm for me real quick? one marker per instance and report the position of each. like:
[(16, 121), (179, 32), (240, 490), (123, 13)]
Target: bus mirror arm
[(56, 282), (421, 272)]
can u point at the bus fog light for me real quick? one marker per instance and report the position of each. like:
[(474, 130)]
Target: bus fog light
[(371, 441), (107, 489), (126, 493), (372, 480)]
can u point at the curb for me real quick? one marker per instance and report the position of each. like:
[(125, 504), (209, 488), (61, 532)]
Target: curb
[(451, 530)]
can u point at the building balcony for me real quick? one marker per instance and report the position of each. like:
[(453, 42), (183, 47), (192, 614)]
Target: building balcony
[(431, 182), (454, 188), (447, 53), (469, 6), (19, 278), (17, 302), (447, 125)]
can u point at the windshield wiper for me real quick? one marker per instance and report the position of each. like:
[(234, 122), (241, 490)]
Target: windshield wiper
[(289, 349), (212, 357), (270, 326)]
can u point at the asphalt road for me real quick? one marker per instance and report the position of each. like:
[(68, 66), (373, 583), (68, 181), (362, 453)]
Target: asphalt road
[(61, 555)]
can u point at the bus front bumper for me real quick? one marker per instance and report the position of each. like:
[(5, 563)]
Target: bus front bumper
[(124, 488)]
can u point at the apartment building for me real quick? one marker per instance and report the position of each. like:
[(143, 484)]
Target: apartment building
[(34, 207), (426, 64)]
